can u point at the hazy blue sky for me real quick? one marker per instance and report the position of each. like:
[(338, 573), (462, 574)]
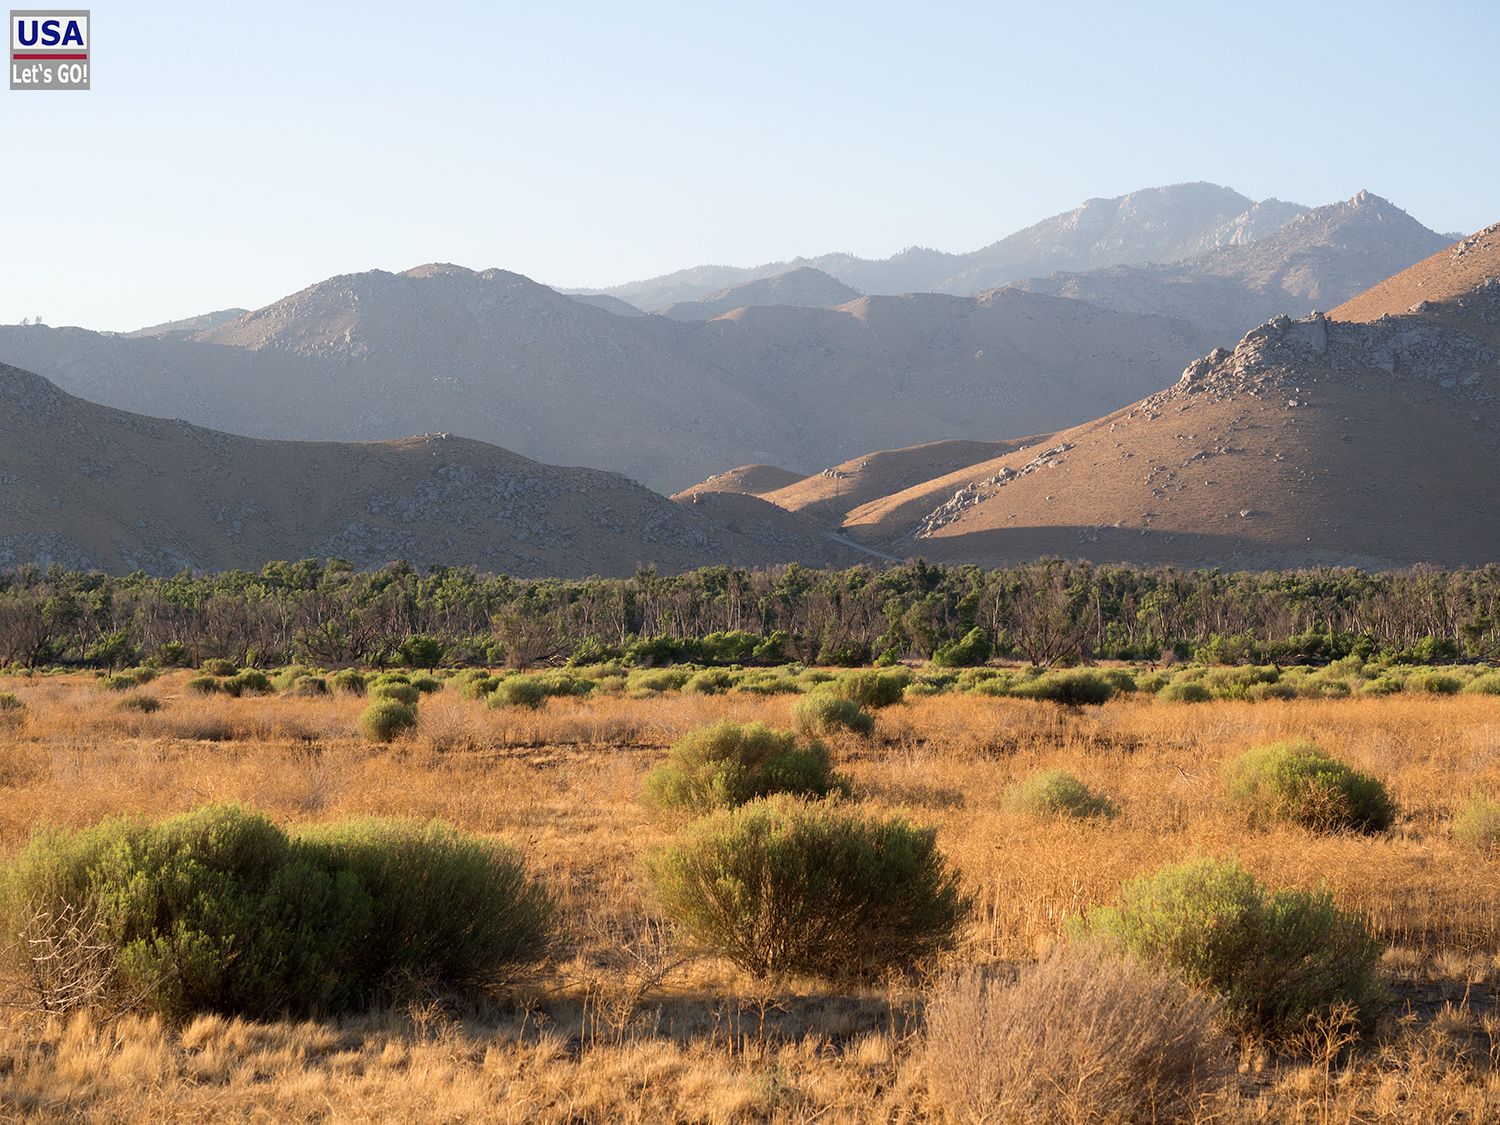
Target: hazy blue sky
[(229, 154)]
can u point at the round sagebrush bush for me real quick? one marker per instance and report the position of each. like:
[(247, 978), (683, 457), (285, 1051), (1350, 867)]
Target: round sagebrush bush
[(1487, 684), (822, 712), (145, 704), (120, 681), (219, 667), (218, 910), (207, 911), (519, 691), (202, 685), (710, 681), (1058, 793), (872, 689), (447, 909), (1073, 687), (346, 681), (1082, 1035), (1299, 783), (1277, 959), (1185, 691), (728, 764), (787, 886), (386, 719), (248, 681), (395, 692), (1477, 825), (426, 684), (1434, 683), (9, 702)]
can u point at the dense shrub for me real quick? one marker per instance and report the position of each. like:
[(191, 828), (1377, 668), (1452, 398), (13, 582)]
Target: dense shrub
[(519, 691), (446, 908), (248, 681), (727, 764), (202, 685), (9, 702), (1082, 1036), (394, 691), (784, 885), (145, 704), (427, 685), (1477, 825), (767, 682), (1488, 684), (1261, 692), (1297, 782), (120, 681), (1057, 793), (1434, 683), (645, 681), (218, 910), (219, 668), (1185, 691), (346, 681), (1275, 958), (1074, 687), (710, 681), (475, 685), (870, 688), (970, 650), (386, 719), (822, 712)]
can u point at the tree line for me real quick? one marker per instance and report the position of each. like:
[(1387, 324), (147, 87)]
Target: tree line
[(327, 613)]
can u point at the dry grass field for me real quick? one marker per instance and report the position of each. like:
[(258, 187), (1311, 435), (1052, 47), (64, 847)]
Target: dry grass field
[(628, 1023)]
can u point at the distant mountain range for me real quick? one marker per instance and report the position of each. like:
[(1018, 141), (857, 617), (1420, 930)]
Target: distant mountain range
[(1165, 224)]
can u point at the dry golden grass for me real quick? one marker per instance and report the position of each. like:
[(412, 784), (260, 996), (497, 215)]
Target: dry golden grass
[(626, 1024)]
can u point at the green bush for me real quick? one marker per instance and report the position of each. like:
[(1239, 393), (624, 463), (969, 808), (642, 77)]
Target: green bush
[(446, 908), (1477, 825), (710, 681), (1261, 692), (822, 712), (219, 667), (248, 681), (1185, 691), (427, 685), (202, 685), (871, 689), (9, 702), (1297, 782), (476, 685), (519, 691), (1384, 685), (405, 694), (1276, 959), (767, 682), (385, 719), (1074, 687), (1488, 684), (347, 681), (657, 679), (1057, 793), (120, 681), (788, 886), (1434, 683), (969, 651), (145, 704), (727, 764), (218, 910), (423, 652)]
